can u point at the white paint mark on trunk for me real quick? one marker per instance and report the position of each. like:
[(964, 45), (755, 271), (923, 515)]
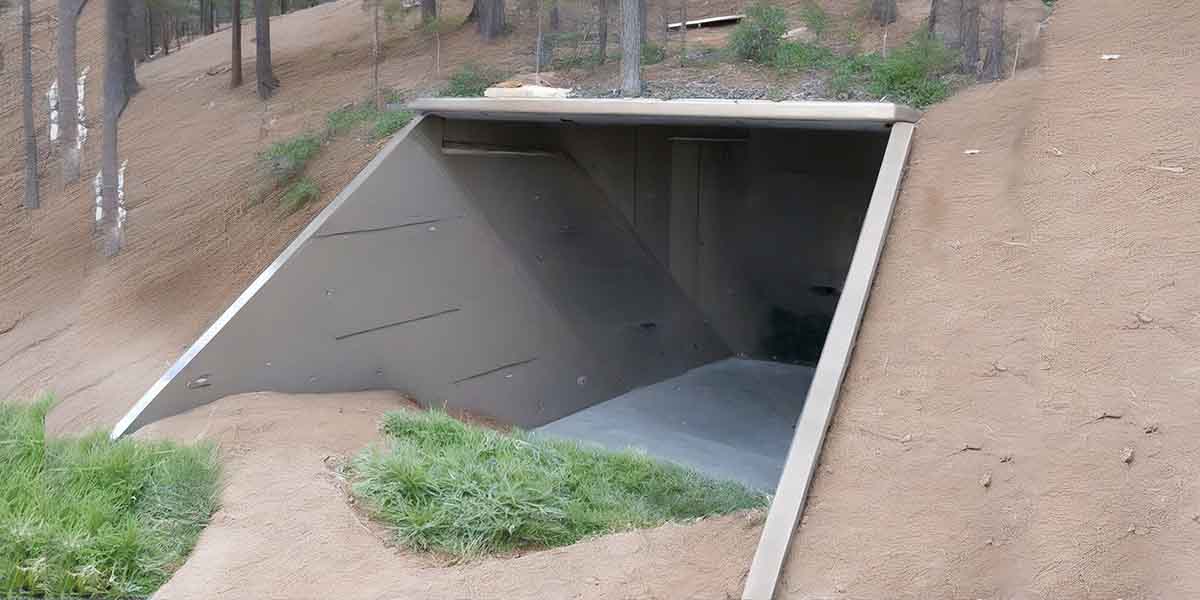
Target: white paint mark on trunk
[(98, 187), (52, 102)]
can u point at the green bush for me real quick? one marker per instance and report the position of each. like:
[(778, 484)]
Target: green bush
[(851, 73), (815, 18), (287, 158), (300, 192), (758, 35), (95, 518), (349, 117), (795, 57), (913, 73), (389, 122), (471, 80), (449, 487)]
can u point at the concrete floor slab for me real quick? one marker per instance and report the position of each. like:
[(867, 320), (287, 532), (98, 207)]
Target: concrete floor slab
[(731, 419)]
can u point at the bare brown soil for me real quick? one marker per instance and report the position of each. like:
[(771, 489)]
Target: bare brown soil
[(1039, 301), (1025, 293), (285, 529)]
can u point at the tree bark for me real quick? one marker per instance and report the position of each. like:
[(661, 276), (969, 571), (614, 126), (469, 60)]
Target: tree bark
[(884, 11), (428, 10), (994, 64), (116, 97), (138, 33), (683, 32), (970, 36), (283, 7), (602, 34), (32, 199), (631, 48), (490, 18), (235, 55), (162, 34), (262, 44), (642, 20), (68, 96), (554, 16)]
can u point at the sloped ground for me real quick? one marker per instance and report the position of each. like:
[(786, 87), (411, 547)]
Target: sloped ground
[(1022, 295), (286, 531)]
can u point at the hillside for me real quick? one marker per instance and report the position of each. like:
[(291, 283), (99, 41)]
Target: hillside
[(1075, 210)]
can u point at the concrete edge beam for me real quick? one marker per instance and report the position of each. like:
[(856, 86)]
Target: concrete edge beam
[(804, 454)]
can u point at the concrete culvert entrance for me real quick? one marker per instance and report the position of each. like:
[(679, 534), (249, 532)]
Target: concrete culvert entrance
[(653, 274)]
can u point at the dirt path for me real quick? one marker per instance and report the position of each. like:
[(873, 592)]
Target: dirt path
[(1024, 293), (286, 531)]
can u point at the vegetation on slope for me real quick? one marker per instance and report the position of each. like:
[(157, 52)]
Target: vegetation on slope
[(450, 487), (92, 517)]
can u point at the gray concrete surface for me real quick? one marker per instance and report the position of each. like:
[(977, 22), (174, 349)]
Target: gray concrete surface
[(732, 419)]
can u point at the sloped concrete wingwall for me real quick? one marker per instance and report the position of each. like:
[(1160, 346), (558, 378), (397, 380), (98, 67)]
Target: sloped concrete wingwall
[(506, 286)]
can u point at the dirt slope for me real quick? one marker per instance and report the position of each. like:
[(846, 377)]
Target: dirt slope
[(286, 531), (1022, 295)]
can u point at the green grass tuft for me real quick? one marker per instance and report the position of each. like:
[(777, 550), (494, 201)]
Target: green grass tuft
[(299, 193), (912, 74), (92, 517), (757, 36), (389, 122), (799, 57), (471, 80), (287, 158), (652, 53), (449, 487), (815, 18)]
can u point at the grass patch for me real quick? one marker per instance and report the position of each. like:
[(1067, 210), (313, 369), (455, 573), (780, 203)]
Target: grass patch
[(286, 159), (652, 53), (450, 487), (92, 517), (470, 81), (798, 57), (389, 122), (300, 192), (757, 36), (913, 74), (815, 18)]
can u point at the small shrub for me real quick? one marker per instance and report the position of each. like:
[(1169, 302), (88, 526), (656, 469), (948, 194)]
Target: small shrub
[(913, 73), (471, 80), (652, 54), (449, 487), (815, 18), (389, 122), (286, 159), (850, 74), (795, 57), (758, 35), (299, 193)]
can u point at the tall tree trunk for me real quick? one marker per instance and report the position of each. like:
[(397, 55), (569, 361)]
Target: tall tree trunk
[(375, 90), (995, 56), (631, 48), (884, 11), (642, 20), (602, 34), (683, 32), (163, 28), (235, 56), (490, 16), (428, 10), (31, 156), (68, 96), (284, 7), (116, 97), (262, 44), (138, 32), (970, 36), (554, 16)]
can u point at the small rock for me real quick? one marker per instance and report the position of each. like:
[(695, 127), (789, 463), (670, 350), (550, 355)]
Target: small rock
[(1151, 428), (970, 446), (800, 34), (1007, 458), (971, 152), (906, 439), (1110, 56), (1127, 455), (986, 480), (1144, 318), (990, 542)]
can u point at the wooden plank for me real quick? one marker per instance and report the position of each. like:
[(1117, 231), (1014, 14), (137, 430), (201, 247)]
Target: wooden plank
[(709, 21), (803, 456)]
